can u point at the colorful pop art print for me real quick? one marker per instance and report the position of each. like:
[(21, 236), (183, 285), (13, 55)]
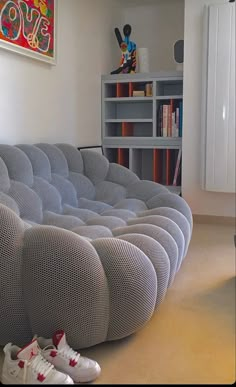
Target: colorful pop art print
[(29, 27)]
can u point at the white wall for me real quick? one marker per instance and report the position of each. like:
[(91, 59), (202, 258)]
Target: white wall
[(156, 25), (201, 202), (60, 103)]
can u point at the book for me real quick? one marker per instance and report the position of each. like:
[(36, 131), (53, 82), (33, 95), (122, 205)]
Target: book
[(148, 89), (127, 129), (159, 121), (157, 165), (168, 166), (138, 93), (177, 122), (169, 125), (181, 119), (177, 167), (131, 89), (165, 121), (173, 125), (171, 110)]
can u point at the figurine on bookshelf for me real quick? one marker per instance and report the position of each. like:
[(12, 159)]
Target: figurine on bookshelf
[(128, 49)]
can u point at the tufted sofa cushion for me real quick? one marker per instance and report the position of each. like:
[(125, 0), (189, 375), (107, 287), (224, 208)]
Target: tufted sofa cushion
[(85, 245)]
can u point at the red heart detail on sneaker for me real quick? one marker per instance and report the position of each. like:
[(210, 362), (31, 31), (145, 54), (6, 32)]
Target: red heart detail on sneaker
[(41, 377), (73, 363), (58, 337)]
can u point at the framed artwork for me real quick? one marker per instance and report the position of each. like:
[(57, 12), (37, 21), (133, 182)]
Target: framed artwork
[(28, 27)]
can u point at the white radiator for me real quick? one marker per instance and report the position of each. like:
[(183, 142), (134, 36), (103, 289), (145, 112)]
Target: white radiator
[(218, 102)]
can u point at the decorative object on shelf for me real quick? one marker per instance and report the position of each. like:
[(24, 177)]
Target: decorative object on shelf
[(138, 93), (143, 60), (148, 90), (32, 36), (128, 49), (179, 54)]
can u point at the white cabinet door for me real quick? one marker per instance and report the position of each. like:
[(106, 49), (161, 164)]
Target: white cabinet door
[(220, 99)]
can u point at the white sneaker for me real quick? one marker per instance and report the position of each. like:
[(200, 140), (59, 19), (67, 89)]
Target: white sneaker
[(28, 366), (65, 359)]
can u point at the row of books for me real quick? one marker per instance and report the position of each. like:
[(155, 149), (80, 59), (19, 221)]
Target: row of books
[(170, 119), (167, 166)]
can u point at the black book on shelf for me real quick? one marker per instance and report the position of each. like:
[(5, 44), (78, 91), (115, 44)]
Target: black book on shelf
[(159, 120)]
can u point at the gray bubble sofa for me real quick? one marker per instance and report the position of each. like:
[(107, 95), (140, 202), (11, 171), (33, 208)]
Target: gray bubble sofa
[(85, 245)]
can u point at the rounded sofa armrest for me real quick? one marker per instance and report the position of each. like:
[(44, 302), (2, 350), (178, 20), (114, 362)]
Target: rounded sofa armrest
[(172, 201), (101, 290), (97, 291)]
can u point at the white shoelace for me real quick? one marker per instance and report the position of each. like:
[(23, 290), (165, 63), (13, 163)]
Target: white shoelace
[(69, 353), (40, 365)]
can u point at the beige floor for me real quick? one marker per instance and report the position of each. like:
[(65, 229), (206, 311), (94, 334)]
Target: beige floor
[(191, 338)]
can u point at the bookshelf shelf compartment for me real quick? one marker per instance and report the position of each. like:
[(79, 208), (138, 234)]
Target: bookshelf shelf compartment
[(131, 134), (129, 111), (166, 88), (128, 129)]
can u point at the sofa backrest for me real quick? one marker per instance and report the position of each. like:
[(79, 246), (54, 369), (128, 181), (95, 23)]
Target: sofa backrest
[(35, 178)]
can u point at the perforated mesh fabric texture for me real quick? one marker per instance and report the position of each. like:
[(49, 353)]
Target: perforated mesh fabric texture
[(80, 213), (132, 285), (18, 164), (172, 201), (73, 157), (161, 236), (159, 258), (83, 186), (177, 217), (95, 166), (67, 222), (76, 262), (93, 232), (93, 205), (122, 214), (109, 193), (14, 324), (39, 161), (68, 289), (134, 205), (145, 190), (110, 222), (9, 202), (121, 175), (4, 178), (56, 158), (66, 190), (28, 202), (167, 224), (49, 195)]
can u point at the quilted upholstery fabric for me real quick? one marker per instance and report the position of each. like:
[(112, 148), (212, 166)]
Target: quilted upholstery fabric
[(85, 245)]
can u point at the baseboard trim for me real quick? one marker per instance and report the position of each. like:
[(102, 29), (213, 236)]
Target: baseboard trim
[(211, 219)]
